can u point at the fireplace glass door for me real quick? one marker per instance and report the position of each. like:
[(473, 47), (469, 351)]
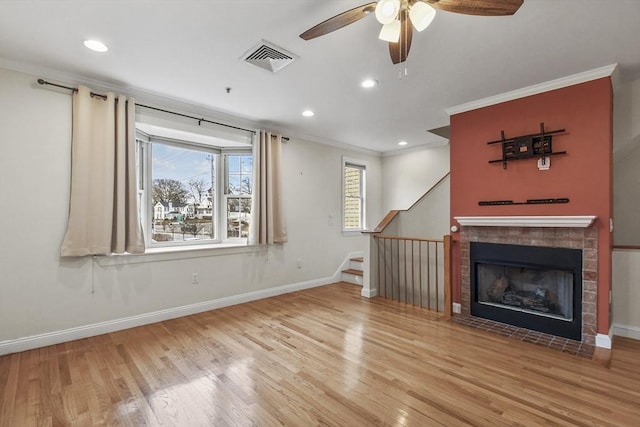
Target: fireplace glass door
[(544, 292), (533, 287)]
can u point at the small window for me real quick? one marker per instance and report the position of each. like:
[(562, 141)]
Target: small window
[(353, 190)]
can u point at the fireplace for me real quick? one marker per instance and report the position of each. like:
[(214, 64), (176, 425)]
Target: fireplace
[(533, 287), (545, 233)]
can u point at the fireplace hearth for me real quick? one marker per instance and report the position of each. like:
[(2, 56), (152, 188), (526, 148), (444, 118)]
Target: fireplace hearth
[(538, 288)]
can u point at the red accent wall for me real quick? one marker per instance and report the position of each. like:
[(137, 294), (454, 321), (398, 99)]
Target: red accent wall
[(584, 174)]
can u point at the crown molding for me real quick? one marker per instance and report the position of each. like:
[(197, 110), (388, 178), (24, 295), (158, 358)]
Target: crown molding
[(586, 76)]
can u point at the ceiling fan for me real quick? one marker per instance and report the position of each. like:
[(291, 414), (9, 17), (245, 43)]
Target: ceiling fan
[(398, 16)]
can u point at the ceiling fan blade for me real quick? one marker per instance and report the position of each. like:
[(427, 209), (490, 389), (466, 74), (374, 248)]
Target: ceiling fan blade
[(400, 51), (478, 7), (341, 20)]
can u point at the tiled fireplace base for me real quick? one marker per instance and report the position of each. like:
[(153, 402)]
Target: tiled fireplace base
[(546, 340), (576, 238)]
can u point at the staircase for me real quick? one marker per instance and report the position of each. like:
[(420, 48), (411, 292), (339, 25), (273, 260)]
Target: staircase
[(354, 273)]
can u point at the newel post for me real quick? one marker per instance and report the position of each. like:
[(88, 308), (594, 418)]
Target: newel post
[(369, 289), (447, 275)]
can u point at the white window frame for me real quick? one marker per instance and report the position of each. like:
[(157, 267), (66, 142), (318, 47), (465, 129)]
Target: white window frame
[(144, 163), (223, 196), (362, 165)]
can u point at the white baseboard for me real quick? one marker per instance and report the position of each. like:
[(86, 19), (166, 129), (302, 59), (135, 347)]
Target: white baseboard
[(369, 293), (604, 340), (57, 337), (627, 331)]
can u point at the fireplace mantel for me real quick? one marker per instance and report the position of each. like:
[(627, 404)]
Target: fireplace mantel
[(582, 221)]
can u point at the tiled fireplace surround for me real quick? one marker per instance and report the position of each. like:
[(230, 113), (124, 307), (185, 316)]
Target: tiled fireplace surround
[(562, 237)]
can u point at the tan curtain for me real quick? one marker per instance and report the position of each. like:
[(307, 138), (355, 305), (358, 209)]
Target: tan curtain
[(267, 219), (103, 210)]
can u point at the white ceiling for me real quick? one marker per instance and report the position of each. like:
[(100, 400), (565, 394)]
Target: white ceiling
[(190, 50)]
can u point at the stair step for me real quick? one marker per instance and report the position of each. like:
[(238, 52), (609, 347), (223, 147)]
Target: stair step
[(353, 271), (357, 259)]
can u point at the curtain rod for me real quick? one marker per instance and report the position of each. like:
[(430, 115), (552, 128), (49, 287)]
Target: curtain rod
[(200, 120)]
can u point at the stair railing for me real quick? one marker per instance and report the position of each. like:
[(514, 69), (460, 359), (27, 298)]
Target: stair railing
[(414, 271)]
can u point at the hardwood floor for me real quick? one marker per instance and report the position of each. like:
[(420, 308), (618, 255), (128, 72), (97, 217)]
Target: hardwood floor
[(323, 356)]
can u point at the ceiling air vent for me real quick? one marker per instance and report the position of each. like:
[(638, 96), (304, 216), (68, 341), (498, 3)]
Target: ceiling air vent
[(269, 56)]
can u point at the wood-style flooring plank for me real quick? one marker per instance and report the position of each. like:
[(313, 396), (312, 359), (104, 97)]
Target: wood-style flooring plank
[(324, 356)]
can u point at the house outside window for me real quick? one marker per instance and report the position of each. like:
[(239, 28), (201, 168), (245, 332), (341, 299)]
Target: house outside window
[(353, 195)]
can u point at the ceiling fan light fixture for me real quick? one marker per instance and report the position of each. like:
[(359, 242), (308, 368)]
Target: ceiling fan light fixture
[(421, 15), (387, 11), (390, 32)]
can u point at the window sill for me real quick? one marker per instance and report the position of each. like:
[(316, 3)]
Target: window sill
[(170, 253), (350, 233)]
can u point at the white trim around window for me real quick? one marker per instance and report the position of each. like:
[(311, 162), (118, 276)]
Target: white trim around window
[(354, 190)]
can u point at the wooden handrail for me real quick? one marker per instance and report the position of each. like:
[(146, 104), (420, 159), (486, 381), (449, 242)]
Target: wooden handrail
[(415, 239), (626, 247), (385, 221)]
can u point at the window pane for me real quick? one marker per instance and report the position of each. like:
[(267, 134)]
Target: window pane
[(234, 164), (239, 189), (233, 184), (247, 185), (247, 164), (353, 197), (182, 194), (238, 216)]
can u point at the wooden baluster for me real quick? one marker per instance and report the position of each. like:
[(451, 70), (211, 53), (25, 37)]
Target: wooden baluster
[(437, 291), (429, 275), (420, 270), (413, 273), (406, 284)]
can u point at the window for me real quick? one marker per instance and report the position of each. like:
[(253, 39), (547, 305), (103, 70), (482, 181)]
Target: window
[(353, 190), (238, 189), (193, 193)]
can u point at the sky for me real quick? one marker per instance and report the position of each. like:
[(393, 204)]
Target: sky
[(184, 165)]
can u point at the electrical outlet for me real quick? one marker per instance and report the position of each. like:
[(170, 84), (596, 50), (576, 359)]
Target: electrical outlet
[(195, 278), (299, 263)]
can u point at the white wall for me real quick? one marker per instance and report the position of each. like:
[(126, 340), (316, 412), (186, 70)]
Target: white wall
[(626, 293), (626, 209), (40, 293), (406, 176), (429, 218), (626, 165)]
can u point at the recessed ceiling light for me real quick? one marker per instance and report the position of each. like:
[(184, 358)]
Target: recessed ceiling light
[(402, 143), (367, 83), (96, 45), (308, 113)]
